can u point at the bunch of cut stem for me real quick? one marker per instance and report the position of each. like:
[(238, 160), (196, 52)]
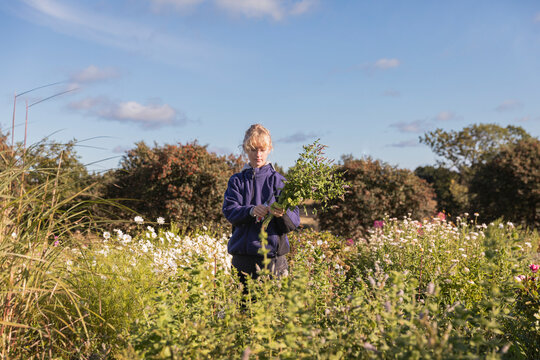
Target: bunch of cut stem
[(40, 313)]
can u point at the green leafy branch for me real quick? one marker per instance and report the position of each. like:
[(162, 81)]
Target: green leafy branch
[(313, 177)]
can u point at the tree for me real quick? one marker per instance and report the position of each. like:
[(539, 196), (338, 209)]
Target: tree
[(508, 185), (451, 195), (472, 145), (183, 183), (376, 189)]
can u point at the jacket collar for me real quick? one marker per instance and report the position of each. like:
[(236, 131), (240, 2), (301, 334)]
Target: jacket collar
[(248, 166)]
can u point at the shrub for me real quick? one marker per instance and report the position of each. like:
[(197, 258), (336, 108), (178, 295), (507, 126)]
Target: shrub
[(452, 196), (508, 185), (376, 189), (186, 183)]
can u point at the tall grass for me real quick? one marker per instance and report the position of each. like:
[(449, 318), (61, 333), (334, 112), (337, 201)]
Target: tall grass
[(40, 314)]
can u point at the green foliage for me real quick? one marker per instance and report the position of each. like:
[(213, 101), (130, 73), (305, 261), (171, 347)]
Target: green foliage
[(377, 189), (472, 145), (185, 183), (508, 184), (311, 178), (452, 198), (525, 324)]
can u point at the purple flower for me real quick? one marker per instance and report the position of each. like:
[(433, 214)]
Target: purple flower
[(378, 224)]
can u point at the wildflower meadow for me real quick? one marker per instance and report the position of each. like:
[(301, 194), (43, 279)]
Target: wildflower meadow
[(77, 287)]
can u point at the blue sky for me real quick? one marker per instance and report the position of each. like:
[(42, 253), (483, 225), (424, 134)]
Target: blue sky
[(366, 77)]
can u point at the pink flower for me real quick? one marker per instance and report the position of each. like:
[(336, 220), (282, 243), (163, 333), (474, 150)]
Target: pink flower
[(441, 216), (534, 267), (56, 243), (378, 224), (349, 242)]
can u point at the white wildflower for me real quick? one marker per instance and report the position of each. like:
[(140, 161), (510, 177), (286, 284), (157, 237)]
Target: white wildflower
[(476, 214), (160, 220), (528, 244), (106, 235), (471, 282), (501, 226), (138, 219), (14, 234)]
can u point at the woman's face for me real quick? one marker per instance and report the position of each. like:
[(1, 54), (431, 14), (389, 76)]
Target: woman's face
[(257, 157)]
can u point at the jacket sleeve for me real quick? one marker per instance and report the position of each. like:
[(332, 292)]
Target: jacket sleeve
[(289, 221), (234, 212)]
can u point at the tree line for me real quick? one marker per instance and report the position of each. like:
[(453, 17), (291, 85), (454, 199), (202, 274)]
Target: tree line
[(486, 169)]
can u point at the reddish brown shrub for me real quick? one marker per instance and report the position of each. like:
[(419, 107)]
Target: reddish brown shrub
[(376, 189)]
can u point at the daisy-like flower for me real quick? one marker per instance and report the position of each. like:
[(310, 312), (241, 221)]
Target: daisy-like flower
[(106, 235), (138, 219), (14, 234), (160, 220)]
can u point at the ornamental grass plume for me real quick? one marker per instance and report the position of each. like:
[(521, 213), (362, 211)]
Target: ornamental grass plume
[(313, 177)]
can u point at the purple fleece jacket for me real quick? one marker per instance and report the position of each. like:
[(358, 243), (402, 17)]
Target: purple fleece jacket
[(246, 189)]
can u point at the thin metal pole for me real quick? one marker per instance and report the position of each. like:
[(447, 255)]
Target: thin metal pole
[(13, 124), (25, 125)]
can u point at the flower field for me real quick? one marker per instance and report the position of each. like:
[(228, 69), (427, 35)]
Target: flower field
[(427, 289)]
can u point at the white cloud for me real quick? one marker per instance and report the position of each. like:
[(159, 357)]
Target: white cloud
[(298, 137), (446, 116), (391, 93), (302, 7), (93, 73), (119, 149), (384, 64), (528, 118), (148, 116), (509, 105), (417, 126), (276, 9), (84, 23), (178, 3), (253, 8)]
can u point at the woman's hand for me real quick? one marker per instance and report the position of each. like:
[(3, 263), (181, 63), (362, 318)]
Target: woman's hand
[(260, 211), (277, 210)]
